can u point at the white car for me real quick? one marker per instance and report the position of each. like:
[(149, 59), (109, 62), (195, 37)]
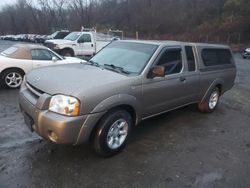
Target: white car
[(17, 60), (246, 53)]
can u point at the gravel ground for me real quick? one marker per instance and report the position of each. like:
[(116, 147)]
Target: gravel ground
[(182, 148)]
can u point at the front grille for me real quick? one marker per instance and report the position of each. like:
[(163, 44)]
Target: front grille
[(33, 90)]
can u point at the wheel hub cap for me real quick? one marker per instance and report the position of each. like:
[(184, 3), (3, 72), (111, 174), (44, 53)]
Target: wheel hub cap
[(13, 79), (117, 134), (213, 100)]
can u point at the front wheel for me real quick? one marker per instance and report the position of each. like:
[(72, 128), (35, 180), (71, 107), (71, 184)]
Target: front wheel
[(68, 53), (12, 78), (211, 102), (112, 133)]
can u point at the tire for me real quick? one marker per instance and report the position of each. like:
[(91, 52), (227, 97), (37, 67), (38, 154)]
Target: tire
[(12, 78), (113, 131), (68, 53), (211, 102)]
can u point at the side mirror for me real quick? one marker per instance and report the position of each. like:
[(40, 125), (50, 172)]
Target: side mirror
[(54, 59), (157, 71)]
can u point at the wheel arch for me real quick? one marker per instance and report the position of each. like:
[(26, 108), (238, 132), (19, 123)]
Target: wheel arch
[(68, 48), (216, 83), (13, 68), (116, 102), (125, 107)]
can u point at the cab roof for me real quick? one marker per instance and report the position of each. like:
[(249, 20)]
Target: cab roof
[(170, 43)]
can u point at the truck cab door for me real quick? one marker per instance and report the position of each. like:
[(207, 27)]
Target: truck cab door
[(175, 89), (86, 44)]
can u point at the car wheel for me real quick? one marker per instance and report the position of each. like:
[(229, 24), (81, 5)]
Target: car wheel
[(211, 102), (112, 133), (12, 78), (68, 53)]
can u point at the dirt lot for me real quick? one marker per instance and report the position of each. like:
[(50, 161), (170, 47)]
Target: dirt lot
[(183, 148)]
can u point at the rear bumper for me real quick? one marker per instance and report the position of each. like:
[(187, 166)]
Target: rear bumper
[(55, 127)]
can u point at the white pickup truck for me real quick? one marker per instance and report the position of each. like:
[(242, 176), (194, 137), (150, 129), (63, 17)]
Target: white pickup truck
[(77, 44)]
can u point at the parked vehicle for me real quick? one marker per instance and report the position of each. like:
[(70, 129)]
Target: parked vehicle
[(125, 83), (17, 60), (77, 44), (8, 37), (246, 53), (40, 38), (58, 35)]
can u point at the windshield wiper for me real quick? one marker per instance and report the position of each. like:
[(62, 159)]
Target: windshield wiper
[(116, 68), (90, 62)]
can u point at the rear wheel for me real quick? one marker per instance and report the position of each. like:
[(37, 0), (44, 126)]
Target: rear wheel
[(211, 102), (112, 133), (12, 78)]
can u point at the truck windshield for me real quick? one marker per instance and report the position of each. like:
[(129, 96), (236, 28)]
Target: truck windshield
[(72, 36), (131, 57)]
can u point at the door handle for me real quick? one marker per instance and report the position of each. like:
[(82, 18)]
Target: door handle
[(182, 79), (92, 45), (73, 44)]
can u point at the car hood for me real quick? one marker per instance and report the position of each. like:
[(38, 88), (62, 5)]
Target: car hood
[(59, 41), (72, 79), (73, 60), (247, 50)]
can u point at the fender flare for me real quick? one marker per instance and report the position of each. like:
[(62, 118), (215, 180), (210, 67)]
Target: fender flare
[(67, 48), (214, 84), (101, 109), (119, 100)]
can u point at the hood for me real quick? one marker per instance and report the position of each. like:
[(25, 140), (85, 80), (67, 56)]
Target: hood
[(75, 59), (248, 50), (59, 41), (67, 60), (72, 79)]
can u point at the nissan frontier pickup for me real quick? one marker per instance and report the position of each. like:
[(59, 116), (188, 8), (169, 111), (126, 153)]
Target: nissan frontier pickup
[(126, 82)]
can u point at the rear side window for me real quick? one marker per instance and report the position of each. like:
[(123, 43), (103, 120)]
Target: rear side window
[(9, 51), (212, 57), (190, 58)]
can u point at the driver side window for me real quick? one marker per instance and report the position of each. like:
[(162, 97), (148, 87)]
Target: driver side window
[(171, 60), (84, 38), (41, 54)]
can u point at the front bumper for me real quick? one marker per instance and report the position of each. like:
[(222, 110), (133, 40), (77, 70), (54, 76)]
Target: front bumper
[(57, 128)]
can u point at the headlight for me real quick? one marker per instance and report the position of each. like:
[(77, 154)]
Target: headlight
[(65, 105)]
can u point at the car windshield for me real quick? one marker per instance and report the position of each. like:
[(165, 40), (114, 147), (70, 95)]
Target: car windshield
[(130, 57), (72, 36), (9, 51)]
